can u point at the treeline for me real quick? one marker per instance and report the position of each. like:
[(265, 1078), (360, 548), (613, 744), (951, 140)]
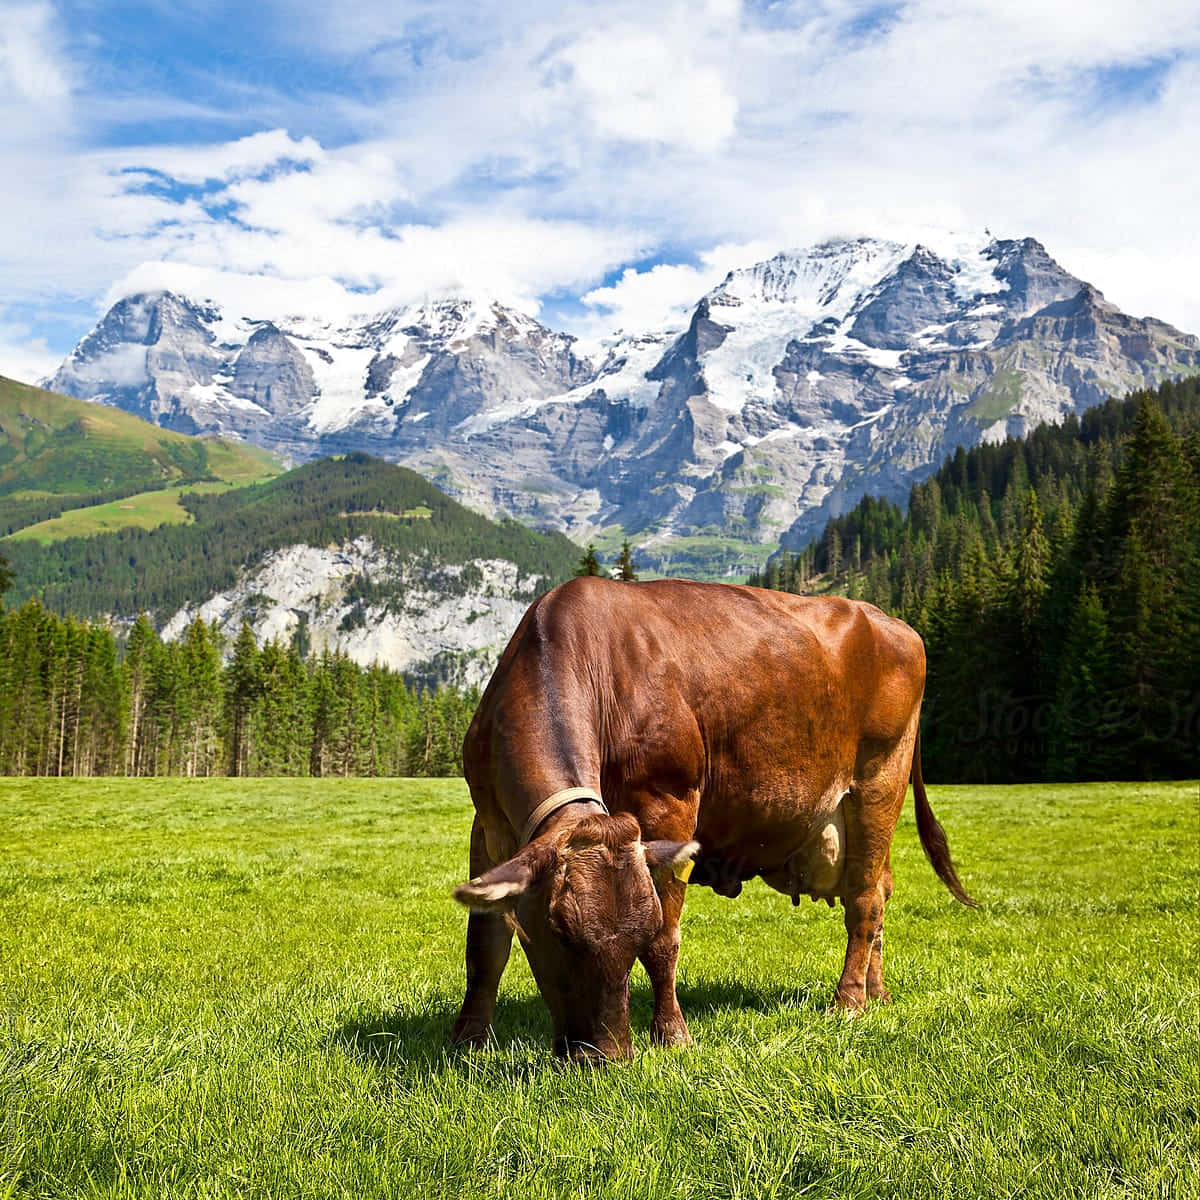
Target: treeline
[(71, 704), (1056, 582), (328, 502)]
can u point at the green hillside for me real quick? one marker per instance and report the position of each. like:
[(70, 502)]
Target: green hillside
[(145, 510), (323, 503), (58, 454)]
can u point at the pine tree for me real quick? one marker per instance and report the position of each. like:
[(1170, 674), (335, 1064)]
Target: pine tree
[(925, 506), (325, 719), (624, 567), (834, 553), (200, 672), (1149, 568), (167, 693), (589, 564), (1079, 738), (5, 575), (1031, 566), (987, 522), (243, 687), (139, 653), (301, 638), (100, 750)]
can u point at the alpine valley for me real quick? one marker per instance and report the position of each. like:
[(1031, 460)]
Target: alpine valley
[(797, 385)]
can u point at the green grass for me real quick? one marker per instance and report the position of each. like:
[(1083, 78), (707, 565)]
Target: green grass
[(146, 510), (241, 463), (420, 512), (63, 445), (999, 399), (58, 453), (242, 989)]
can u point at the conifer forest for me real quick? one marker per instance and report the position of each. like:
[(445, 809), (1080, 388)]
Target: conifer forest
[(1056, 582), (71, 705), (1054, 578)]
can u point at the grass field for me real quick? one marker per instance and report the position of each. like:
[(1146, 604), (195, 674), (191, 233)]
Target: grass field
[(146, 510), (243, 989)]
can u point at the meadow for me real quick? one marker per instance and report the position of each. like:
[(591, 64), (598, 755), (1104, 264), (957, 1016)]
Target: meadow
[(145, 510), (242, 988)]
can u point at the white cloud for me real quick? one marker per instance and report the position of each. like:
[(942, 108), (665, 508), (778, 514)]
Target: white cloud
[(661, 298), (636, 85), (25, 357), (513, 259), (531, 149), (264, 297), (248, 156), (31, 70)]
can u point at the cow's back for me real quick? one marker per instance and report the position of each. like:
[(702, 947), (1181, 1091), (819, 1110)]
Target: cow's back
[(760, 701)]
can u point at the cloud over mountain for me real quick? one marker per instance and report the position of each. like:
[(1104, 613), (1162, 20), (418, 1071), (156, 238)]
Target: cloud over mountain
[(543, 151)]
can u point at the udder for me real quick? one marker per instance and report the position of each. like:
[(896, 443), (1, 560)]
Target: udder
[(815, 868)]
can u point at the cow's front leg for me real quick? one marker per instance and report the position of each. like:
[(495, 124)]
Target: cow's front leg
[(668, 1027), (489, 941)]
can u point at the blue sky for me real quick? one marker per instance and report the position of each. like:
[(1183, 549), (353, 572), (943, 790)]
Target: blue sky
[(601, 163)]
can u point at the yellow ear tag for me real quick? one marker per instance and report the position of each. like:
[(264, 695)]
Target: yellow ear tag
[(683, 871)]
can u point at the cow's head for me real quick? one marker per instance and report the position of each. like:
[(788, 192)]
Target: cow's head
[(586, 901)]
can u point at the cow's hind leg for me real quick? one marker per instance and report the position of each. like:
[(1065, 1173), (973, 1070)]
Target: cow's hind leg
[(871, 809), (489, 941), (875, 989)]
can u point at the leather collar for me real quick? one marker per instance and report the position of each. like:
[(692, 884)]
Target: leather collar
[(552, 804)]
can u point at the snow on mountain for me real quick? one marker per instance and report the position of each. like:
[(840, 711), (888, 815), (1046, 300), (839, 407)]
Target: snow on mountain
[(189, 365), (798, 383)]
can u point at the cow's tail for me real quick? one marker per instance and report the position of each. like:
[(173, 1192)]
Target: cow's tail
[(933, 836)]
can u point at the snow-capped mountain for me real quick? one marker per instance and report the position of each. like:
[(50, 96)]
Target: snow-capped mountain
[(189, 366), (798, 384)]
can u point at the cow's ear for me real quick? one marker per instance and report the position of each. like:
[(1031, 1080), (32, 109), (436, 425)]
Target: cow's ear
[(666, 858), (499, 889)]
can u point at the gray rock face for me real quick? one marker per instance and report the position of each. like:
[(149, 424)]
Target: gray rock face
[(797, 385), (422, 620), (149, 355), (914, 296), (271, 372)]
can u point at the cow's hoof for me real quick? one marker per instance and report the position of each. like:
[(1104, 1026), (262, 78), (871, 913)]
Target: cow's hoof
[(670, 1036), (589, 1056), (849, 1004), (471, 1033)]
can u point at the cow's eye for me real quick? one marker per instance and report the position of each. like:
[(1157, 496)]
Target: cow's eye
[(565, 918)]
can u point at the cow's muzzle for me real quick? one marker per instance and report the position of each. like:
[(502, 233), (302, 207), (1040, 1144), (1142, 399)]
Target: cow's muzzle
[(597, 1053)]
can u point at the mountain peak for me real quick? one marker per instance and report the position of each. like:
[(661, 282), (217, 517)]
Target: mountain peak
[(822, 278), (798, 381)]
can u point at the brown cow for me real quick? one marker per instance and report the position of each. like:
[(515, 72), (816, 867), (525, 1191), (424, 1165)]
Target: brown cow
[(625, 720)]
